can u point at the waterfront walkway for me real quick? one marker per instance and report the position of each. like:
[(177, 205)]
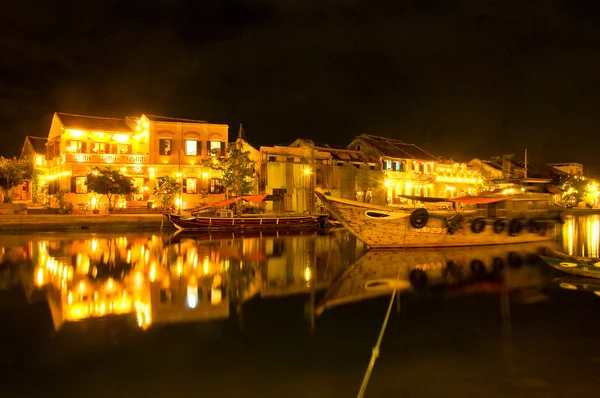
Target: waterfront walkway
[(57, 222)]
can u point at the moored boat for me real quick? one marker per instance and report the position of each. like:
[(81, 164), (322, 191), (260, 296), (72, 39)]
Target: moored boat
[(226, 220), (498, 219), (245, 222), (588, 267)]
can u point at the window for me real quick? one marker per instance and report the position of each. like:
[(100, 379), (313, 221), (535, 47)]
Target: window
[(388, 164), (78, 185), (272, 158), (215, 186), (75, 146), (279, 191), (164, 146), (216, 148), (192, 148), (358, 147), (190, 185), (101, 147), (123, 148)]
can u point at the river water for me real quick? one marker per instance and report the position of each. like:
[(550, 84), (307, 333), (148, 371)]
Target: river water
[(147, 314)]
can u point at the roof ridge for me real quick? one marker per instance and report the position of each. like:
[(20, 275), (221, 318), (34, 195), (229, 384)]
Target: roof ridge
[(176, 118), (93, 117)]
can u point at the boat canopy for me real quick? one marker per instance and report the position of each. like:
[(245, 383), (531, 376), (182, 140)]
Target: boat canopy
[(227, 202)]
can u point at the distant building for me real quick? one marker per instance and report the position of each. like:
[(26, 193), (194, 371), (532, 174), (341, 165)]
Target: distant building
[(572, 169), (34, 151)]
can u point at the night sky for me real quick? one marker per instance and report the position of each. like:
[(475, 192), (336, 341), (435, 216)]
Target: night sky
[(476, 78)]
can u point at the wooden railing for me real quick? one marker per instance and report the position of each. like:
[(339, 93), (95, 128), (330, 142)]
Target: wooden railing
[(105, 158)]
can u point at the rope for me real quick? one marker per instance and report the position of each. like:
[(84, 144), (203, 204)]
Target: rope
[(375, 353)]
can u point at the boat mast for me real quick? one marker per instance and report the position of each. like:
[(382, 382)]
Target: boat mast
[(525, 163)]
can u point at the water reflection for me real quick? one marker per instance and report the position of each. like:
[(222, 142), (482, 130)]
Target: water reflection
[(472, 269), (159, 279), (581, 236)]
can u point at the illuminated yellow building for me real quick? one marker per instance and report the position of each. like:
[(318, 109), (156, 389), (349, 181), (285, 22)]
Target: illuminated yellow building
[(144, 148), (408, 169), (454, 179)]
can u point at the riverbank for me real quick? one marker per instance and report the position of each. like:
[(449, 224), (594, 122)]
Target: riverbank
[(55, 222)]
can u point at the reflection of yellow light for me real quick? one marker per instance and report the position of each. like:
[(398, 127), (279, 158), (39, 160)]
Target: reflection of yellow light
[(593, 237), (205, 265), (94, 244), (110, 285), (39, 277), (570, 232), (307, 274), (152, 272)]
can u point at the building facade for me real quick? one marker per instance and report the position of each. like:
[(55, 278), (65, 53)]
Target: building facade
[(143, 148), (407, 169)]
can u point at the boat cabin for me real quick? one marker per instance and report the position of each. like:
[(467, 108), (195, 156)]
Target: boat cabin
[(525, 206)]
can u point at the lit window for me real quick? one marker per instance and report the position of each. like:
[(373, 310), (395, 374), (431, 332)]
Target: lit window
[(80, 185), (215, 186), (164, 146), (191, 148), (190, 185), (216, 148)]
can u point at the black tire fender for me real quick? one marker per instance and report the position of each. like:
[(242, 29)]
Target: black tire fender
[(478, 225), (499, 226), (419, 218), (515, 226)]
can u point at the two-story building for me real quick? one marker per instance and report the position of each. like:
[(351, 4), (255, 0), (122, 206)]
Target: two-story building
[(454, 179), (407, 169), (289, 176), (143, 148), (350, 174)]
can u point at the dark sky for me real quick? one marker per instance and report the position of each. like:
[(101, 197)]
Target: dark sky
[(475, 78)]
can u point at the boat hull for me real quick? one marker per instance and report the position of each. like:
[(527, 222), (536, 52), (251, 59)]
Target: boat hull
[(393, 228), (589, 268), (245, 223)]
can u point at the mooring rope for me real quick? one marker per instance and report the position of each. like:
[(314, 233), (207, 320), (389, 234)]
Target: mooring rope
[(375, 353)]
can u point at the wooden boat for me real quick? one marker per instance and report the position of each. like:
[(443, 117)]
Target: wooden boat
[(226, 221), (378, 272), (581, 266), (498, 219), (246, 222)]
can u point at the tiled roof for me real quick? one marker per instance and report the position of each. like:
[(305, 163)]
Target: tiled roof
[(347, 155), (155, 118), (38, 143), (93, 123), (396, 148)]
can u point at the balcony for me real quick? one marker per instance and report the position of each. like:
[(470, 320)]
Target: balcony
[(107, 158)]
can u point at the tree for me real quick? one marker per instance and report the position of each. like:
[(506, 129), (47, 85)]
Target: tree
[(12, 173), (110, 182), (237, 169), (575, 190), (166, 189)]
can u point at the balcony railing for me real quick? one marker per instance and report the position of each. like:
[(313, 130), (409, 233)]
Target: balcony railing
[(105, 158)]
